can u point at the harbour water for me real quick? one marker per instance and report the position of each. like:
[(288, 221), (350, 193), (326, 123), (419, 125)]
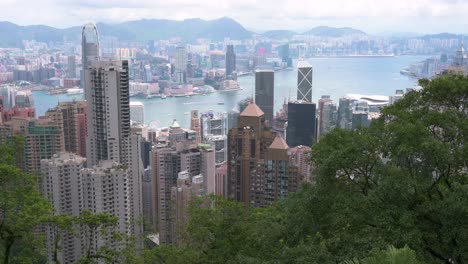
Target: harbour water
[(331, 76)]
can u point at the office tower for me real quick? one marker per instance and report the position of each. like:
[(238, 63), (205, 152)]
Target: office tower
[(283, 53), (300, 157), (24, 99), (74, 126), (276, 178), (265, 92), (71, 70), (345, 113), (327, 115), (137, 112), (459, 58), (89, 45), (89, 49), (148, 74), (195, 124), (304, 81), (186, 189), (301, 128), (180, 64), (230, 61), (108, 117), (62, 186), (247, 145)]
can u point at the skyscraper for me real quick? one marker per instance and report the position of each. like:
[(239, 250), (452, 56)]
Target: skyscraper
[(301, 128), (180, 64), (265, 92), (89, 48), (304, 81), (195, 124), (71, 70), (230, 61), (137, 112), (327, 115)]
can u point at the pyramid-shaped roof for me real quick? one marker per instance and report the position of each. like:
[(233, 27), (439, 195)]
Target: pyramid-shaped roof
[(252, 110), (175, 124), (279, 143), (303, 64)]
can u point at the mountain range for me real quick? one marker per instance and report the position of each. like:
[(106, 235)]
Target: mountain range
[(187, 30)]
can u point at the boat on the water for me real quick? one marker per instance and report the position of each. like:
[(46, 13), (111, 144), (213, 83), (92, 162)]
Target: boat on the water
[(73, 91), (163, 96)]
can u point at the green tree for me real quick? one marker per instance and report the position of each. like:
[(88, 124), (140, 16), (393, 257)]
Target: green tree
[(391, 255), (22, 210)]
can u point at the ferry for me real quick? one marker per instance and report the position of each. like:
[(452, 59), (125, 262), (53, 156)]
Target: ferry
[(163, 96), (74, 91), (150, 96)]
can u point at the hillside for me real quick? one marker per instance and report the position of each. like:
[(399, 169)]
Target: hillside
[(324, 31), (139, 30)]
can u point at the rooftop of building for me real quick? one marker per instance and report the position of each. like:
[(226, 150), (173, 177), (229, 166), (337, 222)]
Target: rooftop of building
[(303, 64), (279, 143), (252, 110)]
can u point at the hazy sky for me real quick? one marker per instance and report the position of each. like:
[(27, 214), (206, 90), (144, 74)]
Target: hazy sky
[(423, 16)]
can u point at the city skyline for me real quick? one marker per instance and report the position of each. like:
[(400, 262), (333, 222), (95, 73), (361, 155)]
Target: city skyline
[(386, 16)]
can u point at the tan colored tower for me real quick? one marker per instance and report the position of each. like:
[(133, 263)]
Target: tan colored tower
[(195, 124), (246, 147)]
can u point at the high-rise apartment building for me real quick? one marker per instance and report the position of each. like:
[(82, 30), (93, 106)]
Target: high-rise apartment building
[(276, 177), (304, 81), (166, 163), (265, 92), (109, 137), (62, 185), (71, 66), (74, 126), (301, 128), (300, 157), (186, 189), (247, 145), (230, 61), (108, 117)]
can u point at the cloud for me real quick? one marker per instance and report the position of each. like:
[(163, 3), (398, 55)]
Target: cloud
[(370, 15)]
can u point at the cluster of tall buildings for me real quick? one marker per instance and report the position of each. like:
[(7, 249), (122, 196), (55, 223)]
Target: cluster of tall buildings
[(85, 152)]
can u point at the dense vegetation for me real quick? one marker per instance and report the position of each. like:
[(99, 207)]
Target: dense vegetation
[(396, 192)]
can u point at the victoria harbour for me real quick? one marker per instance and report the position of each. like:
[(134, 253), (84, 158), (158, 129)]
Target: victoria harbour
[(332, 76)]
